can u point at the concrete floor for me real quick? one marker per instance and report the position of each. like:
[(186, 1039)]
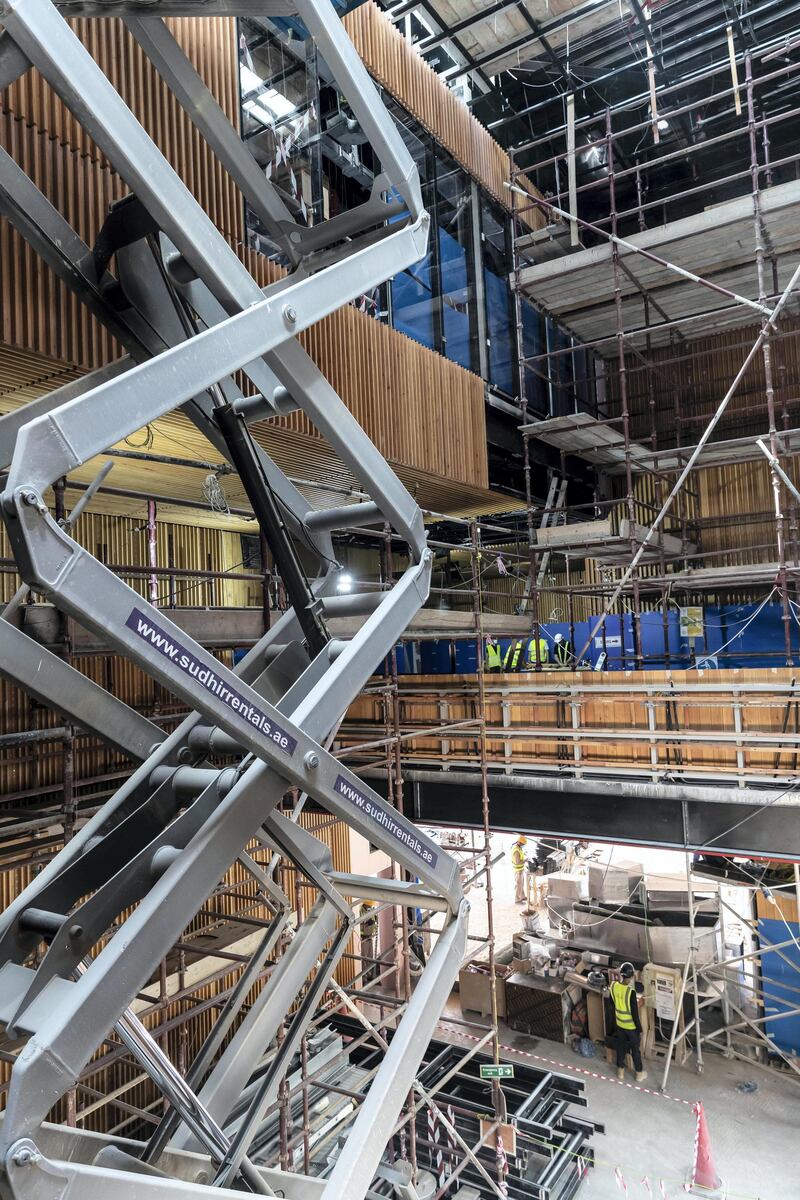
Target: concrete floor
[(753, 1136)]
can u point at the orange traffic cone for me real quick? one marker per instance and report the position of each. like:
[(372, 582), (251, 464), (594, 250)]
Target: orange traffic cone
[(705, 1180)]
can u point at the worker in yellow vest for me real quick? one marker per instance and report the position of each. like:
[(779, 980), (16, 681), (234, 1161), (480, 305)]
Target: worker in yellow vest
[(628, 1022), (513, 655), (518, 863), (492, 658), (544, 653)]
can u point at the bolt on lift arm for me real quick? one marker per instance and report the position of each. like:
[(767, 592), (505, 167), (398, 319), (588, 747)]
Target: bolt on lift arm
[(174, 828)]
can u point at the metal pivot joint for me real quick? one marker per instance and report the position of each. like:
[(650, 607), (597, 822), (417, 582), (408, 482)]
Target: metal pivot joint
[(103, 914)]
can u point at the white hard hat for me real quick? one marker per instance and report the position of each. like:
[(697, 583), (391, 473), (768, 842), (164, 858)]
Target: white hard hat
[(559, 637)]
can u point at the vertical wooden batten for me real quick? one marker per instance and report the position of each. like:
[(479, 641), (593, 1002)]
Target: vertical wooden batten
[(421, 410), (396, 66)]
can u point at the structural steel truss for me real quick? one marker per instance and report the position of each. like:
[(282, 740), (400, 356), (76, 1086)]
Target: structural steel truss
[(190, 316)]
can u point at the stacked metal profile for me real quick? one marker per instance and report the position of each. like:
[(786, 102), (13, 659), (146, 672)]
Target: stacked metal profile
[(551, 1151), (191, 319)]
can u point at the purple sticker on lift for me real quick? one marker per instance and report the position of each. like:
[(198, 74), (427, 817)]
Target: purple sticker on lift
[(387, 820), (203, 674)]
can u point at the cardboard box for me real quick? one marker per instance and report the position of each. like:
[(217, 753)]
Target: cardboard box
[(521, 943), (475, 992), (507, 1132)]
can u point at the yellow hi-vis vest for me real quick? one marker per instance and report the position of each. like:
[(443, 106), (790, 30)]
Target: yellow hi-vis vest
[(494, 660), (517, 857), (544, 652), (513, 654), (622, 997)]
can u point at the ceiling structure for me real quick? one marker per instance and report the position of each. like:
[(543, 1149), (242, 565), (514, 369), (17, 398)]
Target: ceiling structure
[(170, 461), (516, 61)]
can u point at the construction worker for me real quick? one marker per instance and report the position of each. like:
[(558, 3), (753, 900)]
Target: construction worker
[(541, 645), (492, 657), (369, 940), (513, 656), (563, 650), (629, 1025), (518, 857)]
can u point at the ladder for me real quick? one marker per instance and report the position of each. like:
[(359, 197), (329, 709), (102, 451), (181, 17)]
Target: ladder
[(190, 318)]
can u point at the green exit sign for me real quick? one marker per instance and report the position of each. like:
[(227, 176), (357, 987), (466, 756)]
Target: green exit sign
[(497, 1071)]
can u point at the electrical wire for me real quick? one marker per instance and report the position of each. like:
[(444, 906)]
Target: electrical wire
[(767, 893), (699, 665), (191, 587), (749, 816), (602, 921)]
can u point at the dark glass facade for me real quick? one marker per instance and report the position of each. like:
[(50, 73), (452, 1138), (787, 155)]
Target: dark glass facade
[(501, 340), (453, 221), (302, 134)]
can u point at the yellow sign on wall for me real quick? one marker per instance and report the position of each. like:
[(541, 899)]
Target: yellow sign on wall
[(692, 621)]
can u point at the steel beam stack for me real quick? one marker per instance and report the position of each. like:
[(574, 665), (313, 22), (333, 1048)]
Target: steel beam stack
[(192, 321), (547, 1156)]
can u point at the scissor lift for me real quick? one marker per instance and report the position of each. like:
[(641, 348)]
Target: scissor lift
[(189, 315)]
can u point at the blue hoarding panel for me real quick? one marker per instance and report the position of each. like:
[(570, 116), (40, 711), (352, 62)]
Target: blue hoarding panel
[(466, 655), (780, 973), (748, 635), (656, 640), (616, 642), (435, 657)]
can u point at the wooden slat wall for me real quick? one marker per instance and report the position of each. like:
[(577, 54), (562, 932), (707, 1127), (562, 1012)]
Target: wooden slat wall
[(729, 512), (182, 1042), (690, 379), (210, 44), (43, 136), (726, 494), (122, 540), (402, 393), (397, 67), (780, 904), (701, 713), (419, 408), (687, 384)]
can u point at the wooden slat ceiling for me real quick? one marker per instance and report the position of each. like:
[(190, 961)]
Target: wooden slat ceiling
[(309, 461), (508, 27)]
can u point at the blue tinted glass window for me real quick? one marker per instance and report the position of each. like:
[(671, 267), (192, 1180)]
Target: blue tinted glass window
[(454, 228), (499, 322), (413, 302), (533, 345), (414, 292)]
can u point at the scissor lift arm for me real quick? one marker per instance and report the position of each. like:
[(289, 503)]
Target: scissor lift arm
[(190, 317)]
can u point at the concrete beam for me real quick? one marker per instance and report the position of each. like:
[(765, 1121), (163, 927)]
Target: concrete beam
[(222, 628), (674, 816)]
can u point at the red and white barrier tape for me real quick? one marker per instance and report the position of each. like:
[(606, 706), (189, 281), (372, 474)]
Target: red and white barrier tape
[(698, 1112), (554, 1062), (502, 1163)]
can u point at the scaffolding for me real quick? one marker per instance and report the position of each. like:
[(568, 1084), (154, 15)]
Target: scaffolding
[(637, 310), (374, 991)]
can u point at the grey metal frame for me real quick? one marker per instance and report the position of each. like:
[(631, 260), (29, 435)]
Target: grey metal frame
[(195, 317)]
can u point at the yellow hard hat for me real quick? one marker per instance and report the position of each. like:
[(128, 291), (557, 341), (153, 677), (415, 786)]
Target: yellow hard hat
[(522, 839), (369, 903)]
